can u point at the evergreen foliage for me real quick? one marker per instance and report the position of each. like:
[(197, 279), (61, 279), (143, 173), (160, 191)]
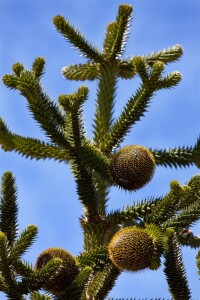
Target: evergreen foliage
[(163, 222)]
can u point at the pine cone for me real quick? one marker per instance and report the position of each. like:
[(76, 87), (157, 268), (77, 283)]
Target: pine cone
[(132, 167), (135, 249), (66, 275)]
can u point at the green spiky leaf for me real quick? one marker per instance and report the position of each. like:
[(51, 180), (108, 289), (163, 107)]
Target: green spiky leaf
[(174, 268), (133, 111), (38, 67), (111, 32), (7, 273), (89, 71), (174, 157), (76, 38), (24, 241), (39, 278), (11, 81), (75, 290), (22, 268), (104, 104), (37, 296), (102, 282), (119, 32), (18, 68), (133, 212), (166, 56), (189, 240), (32, 148), (126, 69), (96, 258), (169, 205), (9, 207), (187, 217), (141, 68), (169, 81), (95, 160)]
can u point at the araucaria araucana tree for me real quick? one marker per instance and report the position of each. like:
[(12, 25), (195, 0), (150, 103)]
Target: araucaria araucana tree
[(131, 239)]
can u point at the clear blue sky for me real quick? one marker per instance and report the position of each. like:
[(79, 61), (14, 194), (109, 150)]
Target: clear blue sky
[(46, 189)]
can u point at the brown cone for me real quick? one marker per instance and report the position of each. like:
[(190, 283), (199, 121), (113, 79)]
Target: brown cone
[(66, 275), (132, 167), (131, 249)]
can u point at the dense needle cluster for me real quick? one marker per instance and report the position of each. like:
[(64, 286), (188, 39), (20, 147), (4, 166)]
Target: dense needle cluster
[(130, 239)]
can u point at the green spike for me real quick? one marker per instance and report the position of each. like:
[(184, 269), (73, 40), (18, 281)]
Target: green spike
[(76, 38), (174, 157), (75, 290), (37, 296), (11, 81), (141, 68), (104, 104), (77, 128), (32, 148), (65, 102), (155, 75), (133, 111), (2, 284), (133, 212), (38, 67), (39, 278), (89, 71), (74, 132), (166, 56), (23, 242), (17, 69), (96, 258), (189, 240), (126, 69), (174, 268), (73, 102), (191, 192), (96, 232), (102, 282), (111, 32), (169, 205), (85, 189), (9, 207), (187, 217), (42, 107), (169, 81), (5, 137), (119, 31), (22, 268), (102, 181), (94, 159), (74, 128), (7, 272)]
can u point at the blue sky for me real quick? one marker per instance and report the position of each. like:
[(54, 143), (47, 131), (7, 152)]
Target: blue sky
[(46, 189)]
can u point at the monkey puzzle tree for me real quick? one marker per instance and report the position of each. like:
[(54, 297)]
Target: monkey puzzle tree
[(131, 239)]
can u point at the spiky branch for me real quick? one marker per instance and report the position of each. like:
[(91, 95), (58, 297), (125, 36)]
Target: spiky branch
[(162, 222)]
